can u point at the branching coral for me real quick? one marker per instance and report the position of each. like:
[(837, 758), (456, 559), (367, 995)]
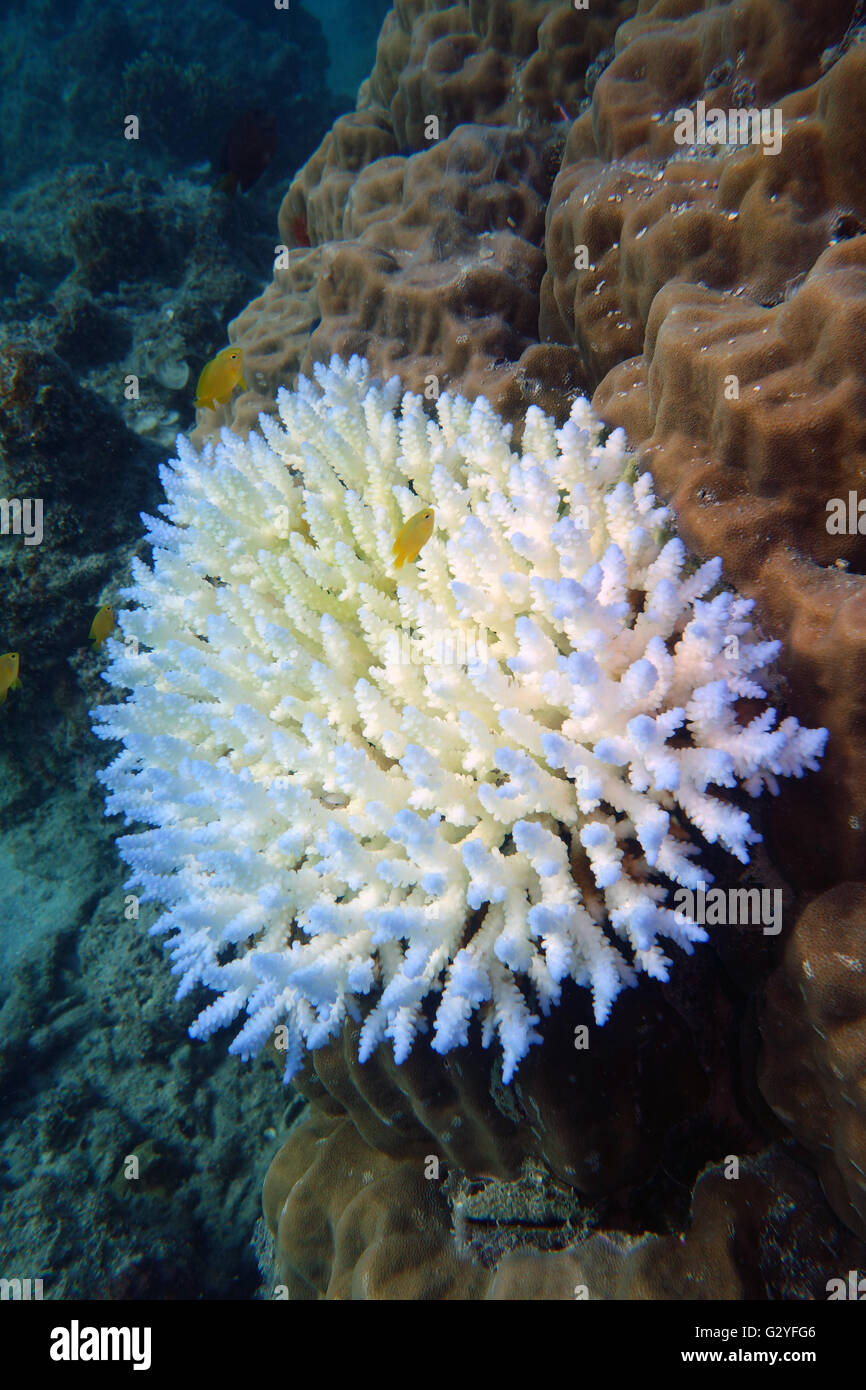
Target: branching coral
[(473, 776)]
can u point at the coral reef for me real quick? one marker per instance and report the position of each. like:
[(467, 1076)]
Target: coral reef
[(460, 240), (757, 1230), (436, 276), (118, 260), (474, 777), (753, 476), (646, 1093), (814, 1054), (351, 1222), (428, 240), (711, 296), (512, 213)]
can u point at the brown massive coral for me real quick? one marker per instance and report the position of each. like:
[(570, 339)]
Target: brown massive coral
[(428, 205), (517, 208), (813, 1068), (351, 1222)]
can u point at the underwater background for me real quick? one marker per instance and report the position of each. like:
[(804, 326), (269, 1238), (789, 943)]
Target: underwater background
[(502, 197), (110, 263)]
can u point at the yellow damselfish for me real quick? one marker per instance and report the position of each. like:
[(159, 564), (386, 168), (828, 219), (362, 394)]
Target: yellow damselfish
[(8, 674), (412, 535), (219, 378), (102, 624)]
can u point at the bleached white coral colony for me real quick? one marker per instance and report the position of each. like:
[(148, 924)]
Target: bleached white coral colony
[(475, 776)]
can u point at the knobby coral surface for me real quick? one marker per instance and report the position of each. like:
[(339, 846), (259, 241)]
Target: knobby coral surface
[(351, 1222), (814, 1057)]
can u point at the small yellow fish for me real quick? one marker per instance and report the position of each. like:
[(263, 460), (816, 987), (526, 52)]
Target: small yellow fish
[(219, 378), (102, 625), (411, 536), (8, 674)]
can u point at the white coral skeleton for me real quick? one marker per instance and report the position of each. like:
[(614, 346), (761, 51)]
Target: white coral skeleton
[(334, 830)]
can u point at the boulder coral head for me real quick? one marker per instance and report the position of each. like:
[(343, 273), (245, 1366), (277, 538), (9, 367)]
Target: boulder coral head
[(474, 777)]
